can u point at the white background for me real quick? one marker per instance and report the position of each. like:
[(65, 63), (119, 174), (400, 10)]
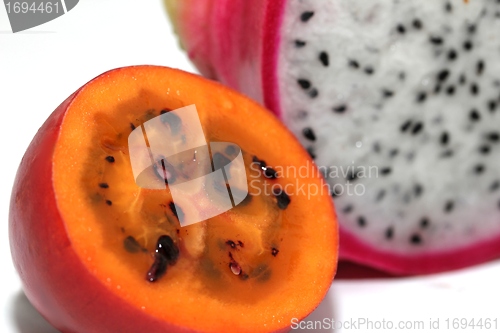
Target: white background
[(40, 67)]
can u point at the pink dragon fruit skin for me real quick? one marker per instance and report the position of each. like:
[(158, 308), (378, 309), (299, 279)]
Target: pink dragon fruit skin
[(238, 42), (225, 40)]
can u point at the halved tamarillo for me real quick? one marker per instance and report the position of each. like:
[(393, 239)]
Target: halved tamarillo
[(98, 253)]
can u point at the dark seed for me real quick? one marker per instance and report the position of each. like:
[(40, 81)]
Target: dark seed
[(352, 176), (274, 252), (110, 159), (462, 79), (479, 169), (166, 254), (450, 90), (415, 239), (448, 7), (313, 93), (158, 269), (484, 149), (474, 115), (443, 75), (167, 248), (417, 24), (474, 89), (309, 134), (452, 55), (418, 189), (387, 93), (340, 109), (406, 126), (103, 185), (436, 40), (323, 57), (270, 173), (282, 198), (493, 136), (131, 245), (304, 84), (492, 105), (177, 211), (220, 161), (445, 138), (299, 43), (424, 223), (165, 171), (448, 207), (472, 28), (261, 163), (230, 150), (353, 64), (109, 202), (480, 67), (380, 195), (348, 209), (389, 233), (394, 152), (447, 153), (401, 29), (421, 97), (244, 276), (468, 45), (310, 151), (306, 16), (369, 70), (361, 221), (385, 171), (437, 89), (172, 120), (417, 128), (495, 186), (376, 147)]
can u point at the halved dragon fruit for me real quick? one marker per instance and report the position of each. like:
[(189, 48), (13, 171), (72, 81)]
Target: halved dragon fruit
[(398, 101)]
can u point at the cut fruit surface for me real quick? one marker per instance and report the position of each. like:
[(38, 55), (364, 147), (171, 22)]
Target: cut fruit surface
[(99, 253)]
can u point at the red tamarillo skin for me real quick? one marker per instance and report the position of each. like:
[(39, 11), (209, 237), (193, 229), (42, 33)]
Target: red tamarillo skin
[(408, 88), (54, 279)]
